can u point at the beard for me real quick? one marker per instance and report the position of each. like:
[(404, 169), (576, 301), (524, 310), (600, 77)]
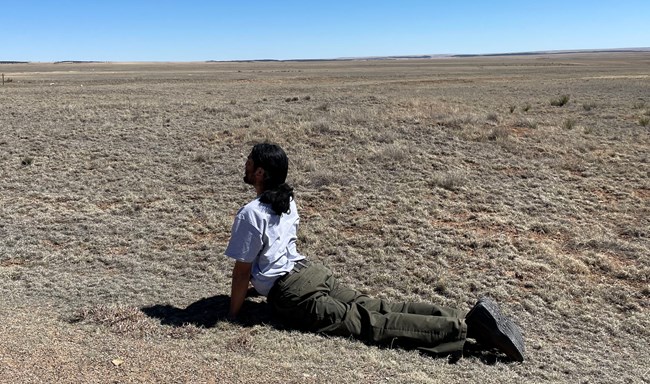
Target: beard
[(247, 179)]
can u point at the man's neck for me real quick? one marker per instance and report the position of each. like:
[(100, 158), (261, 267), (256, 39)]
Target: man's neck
[(259, 189)]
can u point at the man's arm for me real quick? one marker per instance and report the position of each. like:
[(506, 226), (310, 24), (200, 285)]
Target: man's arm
[(241, 275)]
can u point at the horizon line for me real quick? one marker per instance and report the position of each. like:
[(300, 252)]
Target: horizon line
[(351, 58)]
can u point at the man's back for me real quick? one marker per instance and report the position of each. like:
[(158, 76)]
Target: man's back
[(266, 240)]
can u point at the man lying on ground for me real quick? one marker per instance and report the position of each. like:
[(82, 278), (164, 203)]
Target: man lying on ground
[(306, 296)]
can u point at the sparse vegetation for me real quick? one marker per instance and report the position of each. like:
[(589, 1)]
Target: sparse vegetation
[(644, 121), (217, 109), (391, 153), (560, 101), (569, 123), (132, 322), (326, 178), (588, 106), (449, 180), (201, 158), (498, 133), (526, 123), (321, 126), (492, 117), (526, 107), (323, 107), (409, 189)]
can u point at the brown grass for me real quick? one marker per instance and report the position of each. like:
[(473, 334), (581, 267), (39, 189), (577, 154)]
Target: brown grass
[(416, 180)]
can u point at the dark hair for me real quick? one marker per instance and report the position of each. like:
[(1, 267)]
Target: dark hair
[(275, 163)]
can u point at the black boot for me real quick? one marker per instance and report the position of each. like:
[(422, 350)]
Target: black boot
[(488, 326)]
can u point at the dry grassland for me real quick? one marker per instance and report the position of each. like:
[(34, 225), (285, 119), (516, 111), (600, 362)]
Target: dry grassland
[(435, 180)]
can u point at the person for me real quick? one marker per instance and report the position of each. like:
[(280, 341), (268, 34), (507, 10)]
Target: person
[(305, 295)]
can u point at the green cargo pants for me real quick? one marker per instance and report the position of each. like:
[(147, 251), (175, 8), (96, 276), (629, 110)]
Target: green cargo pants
[(312, 300)]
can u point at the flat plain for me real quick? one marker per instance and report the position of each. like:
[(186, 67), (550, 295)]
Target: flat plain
[(522, 178)]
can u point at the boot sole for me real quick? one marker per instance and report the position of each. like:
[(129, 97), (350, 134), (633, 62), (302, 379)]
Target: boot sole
[(496, 330)]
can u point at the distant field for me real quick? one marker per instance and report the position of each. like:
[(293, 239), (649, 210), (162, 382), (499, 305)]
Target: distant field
[(523, 178)]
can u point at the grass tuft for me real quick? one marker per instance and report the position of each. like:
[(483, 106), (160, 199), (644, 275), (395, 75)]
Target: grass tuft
[(450, 181), (569, 124), (560, 101), (392, 153), (493, 117), (644, 121), (526, 123), (498, 134), (321, 126), (441, 287), (201, 158), (327, 178), (588, 106), (323, 107)]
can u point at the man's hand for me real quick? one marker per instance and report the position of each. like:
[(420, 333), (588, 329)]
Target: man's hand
[(241, 275)]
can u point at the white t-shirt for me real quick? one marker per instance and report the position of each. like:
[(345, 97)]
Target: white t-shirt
[(266, 240)]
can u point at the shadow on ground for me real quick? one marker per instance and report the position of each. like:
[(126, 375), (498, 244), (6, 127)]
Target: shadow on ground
[(487, 356), (207, 312)]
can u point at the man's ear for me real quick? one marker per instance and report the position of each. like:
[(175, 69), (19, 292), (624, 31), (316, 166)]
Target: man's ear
[(259, 172)]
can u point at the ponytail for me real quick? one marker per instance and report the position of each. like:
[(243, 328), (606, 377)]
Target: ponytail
[(272, 159), (279, 198)]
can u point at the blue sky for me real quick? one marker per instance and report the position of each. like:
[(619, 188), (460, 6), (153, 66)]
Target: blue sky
[(229, 30)]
